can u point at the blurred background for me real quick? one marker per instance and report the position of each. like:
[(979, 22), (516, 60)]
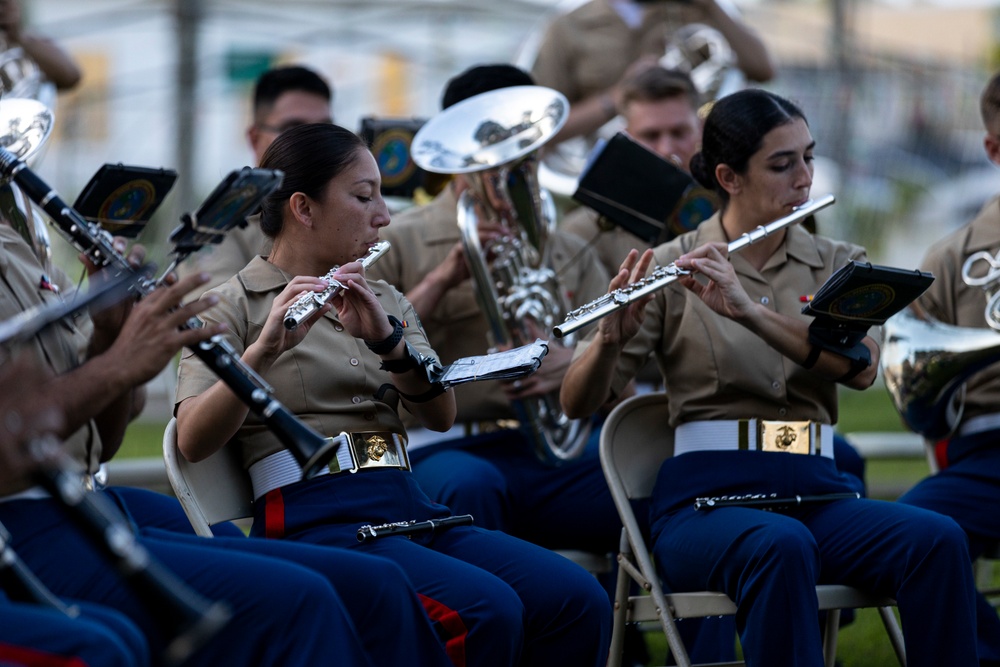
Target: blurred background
[(890, 87)]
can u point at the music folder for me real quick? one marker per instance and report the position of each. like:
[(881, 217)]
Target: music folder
[(641, 192), (858, 296), (122, 198)]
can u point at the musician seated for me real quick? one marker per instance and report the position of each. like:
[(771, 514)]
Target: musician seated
[(735, 355), (91, 388), (967, 486), (496, 600)]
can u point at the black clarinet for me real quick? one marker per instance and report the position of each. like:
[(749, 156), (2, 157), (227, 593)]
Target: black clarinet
[(20, 583), (312, 450), (189, 619)]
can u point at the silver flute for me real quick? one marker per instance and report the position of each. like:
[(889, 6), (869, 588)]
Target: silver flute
[(661, 276), (307, 304)]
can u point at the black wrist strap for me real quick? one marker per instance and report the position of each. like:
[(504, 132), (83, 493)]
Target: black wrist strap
[(812, 358), (436, 390), (857, 365), (391, 341)]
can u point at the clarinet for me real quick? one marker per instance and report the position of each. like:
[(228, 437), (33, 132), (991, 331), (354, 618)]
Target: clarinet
[(189, 619), (312, 451), (307, 304), (21, 584), (661, 276), (409, 528)]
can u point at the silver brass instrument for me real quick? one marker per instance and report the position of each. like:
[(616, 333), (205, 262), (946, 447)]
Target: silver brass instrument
[(493, 140), (307, 304), (25, 125), (990, 282), (661, 276), (926, 362)]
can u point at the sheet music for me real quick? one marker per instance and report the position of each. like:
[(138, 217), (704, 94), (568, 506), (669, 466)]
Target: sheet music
[(508, 365)]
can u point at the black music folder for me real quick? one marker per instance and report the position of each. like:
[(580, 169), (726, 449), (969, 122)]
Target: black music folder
[(122, 198), (858, 296), (389, 140), (641, 192)]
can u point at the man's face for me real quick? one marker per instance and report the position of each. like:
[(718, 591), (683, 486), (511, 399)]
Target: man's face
[(296, 107), (670, 128)]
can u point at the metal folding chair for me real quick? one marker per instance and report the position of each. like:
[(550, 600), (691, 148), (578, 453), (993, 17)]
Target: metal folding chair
[(631, 459), (211, 491)]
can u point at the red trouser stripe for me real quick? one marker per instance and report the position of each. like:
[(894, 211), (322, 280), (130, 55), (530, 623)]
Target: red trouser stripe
[(18, 655), (274, 514), (941, 453), (453, 626)]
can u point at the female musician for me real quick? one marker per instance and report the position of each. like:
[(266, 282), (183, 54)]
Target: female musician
[(496, 599), (734, 352)]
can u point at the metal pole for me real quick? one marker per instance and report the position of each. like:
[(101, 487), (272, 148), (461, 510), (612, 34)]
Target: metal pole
[(188, 15)]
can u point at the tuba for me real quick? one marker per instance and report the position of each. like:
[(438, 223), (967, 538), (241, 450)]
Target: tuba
[(493, 140), (926, 362)]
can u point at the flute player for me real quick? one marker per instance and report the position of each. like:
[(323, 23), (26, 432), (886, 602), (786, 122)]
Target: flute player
[(735, 355)]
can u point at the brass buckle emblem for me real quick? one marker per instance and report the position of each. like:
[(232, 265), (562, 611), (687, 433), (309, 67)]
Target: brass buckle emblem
[(790, 437), (376, 447)]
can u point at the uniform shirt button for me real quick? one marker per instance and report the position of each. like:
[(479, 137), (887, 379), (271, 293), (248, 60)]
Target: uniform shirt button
[(354, 362), (765, 300), (338, 327), (356, 400), (782, 412), (775, 385)]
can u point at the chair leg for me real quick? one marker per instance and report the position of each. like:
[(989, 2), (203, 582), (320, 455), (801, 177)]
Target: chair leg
[(895, 633), (622, 585), (830, 631)]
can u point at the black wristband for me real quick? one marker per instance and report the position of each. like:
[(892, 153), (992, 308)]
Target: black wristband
[(857, 365), (436, 390), (411, 360), (391, 341), (812, 358)]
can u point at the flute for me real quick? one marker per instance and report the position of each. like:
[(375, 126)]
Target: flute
[(189, 618), (409, 528), (762, 502), (312, 450), (662, 276), (307, 304)]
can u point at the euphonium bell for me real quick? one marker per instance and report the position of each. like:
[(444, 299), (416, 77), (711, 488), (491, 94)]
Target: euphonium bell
[(492, 139), (926, 363)]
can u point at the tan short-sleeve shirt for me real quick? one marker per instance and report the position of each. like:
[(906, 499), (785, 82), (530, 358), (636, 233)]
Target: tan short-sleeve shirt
[(611, 245), (62, 346), (587, 50), (951, 301), (714, 368), (224, 260), (329, 380), (421, 239)]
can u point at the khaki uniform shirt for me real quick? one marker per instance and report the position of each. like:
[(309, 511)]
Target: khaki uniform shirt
[(421, 239), (611, 245), (328, 380), (62, 346), (953, 302), (587, 50), (715, 368)]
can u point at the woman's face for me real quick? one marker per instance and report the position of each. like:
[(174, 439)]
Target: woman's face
[(352, 210), (779, 175)]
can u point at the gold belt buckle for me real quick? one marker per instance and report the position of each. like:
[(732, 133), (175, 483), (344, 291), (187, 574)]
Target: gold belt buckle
[(376, 449), (789, 437)]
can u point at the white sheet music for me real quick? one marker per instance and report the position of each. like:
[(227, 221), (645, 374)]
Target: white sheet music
[(507, 365)]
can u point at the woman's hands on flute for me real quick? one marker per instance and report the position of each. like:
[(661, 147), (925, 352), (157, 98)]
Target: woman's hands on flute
[(357, 307), (620, 326), (723, 292)]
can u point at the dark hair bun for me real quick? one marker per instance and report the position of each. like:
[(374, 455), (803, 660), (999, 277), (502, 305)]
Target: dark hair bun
[(699, 170)]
